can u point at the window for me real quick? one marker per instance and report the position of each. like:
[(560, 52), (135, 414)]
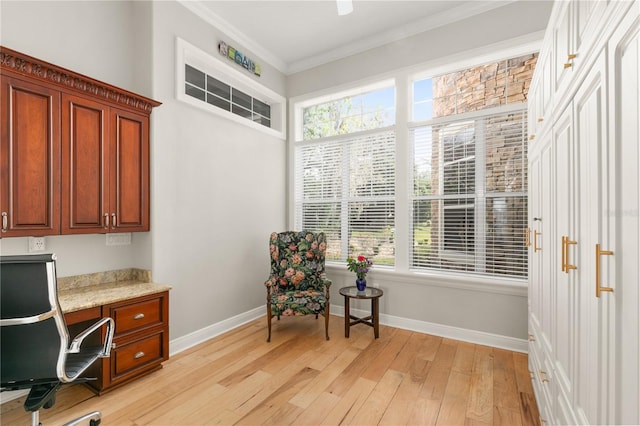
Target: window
[(469, 199), (345, 174), (464, 157), (208, 83)]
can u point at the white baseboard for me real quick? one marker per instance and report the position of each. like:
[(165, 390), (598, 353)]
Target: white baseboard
[(448, 331), (185, 342), (472, 336)]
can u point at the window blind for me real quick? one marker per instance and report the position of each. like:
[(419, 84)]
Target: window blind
[(346, 187), (469, 198)]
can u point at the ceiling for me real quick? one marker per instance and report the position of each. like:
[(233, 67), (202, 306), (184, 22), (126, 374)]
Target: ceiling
[(295, 35)]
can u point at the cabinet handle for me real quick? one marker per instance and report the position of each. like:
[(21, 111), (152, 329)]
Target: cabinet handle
[(532, 338), (568, 65), (571, 56), (535, 241), (527, 237), (566, 266), (138, 316), (599, 253), (543, 379), (106, 221), (532, 137), (4, 221), (113, 220), (138, 355), (540, 119)]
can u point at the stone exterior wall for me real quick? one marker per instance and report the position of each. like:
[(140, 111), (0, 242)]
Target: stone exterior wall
[(475, 89)]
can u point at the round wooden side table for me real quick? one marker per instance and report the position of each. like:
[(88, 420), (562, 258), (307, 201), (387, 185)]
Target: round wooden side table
[(372, 320)]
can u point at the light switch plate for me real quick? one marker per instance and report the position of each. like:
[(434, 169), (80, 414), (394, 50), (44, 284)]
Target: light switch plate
[(119, 239)]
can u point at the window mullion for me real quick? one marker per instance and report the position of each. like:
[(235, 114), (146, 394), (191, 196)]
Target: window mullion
[(481, 205)]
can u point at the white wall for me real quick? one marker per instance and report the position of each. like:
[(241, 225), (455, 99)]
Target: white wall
[(431, 299), (219, 190), (217, 187)]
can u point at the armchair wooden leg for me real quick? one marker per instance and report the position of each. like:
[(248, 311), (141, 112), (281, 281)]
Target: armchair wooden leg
[(326, 322), (269, 321)]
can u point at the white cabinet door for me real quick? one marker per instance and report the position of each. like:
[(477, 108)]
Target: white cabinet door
[(594, 338), (624, 71), (565, 185)]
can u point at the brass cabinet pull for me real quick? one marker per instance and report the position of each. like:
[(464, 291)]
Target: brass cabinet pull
[(543, 379), (532, 137), (535, 241), (4, 221), (566, 266), (106, 221), (527, 237), (113, 220), (567, 65), (138, 355), (138, 316), (571, 56), (540, 119), (599, 253)]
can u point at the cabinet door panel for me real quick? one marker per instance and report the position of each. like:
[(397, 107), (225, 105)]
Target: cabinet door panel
[(84, 165), (593, 339), (30, 159), (625, 131), (130, 174)]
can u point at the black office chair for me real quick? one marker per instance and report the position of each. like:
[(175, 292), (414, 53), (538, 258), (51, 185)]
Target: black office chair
[(34, 341)]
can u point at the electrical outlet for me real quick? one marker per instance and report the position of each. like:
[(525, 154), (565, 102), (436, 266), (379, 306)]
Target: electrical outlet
[(37, 244), (118, 239)]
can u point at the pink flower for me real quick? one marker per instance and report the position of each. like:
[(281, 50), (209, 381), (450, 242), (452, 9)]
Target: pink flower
[(314, 245), (289, 272), (293, 247), (323, 246), (287, 312), (361, 258), (296, 259)]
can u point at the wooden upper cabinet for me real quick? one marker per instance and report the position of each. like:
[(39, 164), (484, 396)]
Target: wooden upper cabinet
[(74, 152), (29, 159), (129, 152), (85, 166)]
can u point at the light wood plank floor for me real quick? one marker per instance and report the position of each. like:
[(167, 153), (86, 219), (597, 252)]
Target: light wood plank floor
[(402, 378)]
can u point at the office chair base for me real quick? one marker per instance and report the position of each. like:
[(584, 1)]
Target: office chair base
[(94, 419)]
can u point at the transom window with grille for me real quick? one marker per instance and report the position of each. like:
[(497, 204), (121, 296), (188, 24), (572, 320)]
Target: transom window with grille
[(345, 174)]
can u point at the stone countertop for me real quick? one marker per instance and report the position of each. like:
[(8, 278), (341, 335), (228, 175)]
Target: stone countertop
[(91, 290)]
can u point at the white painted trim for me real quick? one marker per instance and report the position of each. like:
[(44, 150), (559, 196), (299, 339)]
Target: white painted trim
[(450, 16), (472, 336), (187, 53), (199, 336), (447, 17), (203, 12), (450, 332)]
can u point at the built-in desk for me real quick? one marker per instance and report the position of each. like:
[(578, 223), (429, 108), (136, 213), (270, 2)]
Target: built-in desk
[(140, 310)]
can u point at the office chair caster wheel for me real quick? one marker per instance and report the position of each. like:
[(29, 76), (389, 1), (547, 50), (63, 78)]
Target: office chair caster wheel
[(50, 402)]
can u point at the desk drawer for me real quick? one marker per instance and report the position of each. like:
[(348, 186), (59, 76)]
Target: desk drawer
[(136, 316), (137, 354)]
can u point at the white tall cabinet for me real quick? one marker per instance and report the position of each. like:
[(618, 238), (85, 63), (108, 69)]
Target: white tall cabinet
[(584, 215)]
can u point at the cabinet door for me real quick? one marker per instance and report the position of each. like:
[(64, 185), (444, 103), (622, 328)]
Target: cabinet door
[(594, 341), (29, 159), (565, 253), (625, 132), (129, 172), (84, 166), (562, 45)]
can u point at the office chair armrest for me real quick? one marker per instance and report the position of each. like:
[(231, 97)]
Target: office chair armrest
[(108, 341)]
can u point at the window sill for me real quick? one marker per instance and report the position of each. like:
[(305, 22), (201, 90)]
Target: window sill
[(511, 287)]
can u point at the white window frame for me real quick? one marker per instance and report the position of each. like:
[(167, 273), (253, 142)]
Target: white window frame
[(188, 54)]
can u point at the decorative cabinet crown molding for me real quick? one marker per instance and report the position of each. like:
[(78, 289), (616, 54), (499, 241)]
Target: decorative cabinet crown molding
[(35, 68)]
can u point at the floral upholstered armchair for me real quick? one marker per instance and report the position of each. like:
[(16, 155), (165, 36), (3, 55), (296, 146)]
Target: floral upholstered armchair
[(297, 284)]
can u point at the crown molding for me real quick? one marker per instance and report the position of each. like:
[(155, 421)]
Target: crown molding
[(203, 12), (25, 65), (435, 21), (416, 27)]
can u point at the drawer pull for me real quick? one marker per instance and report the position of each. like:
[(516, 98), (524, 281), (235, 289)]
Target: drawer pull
[(138, 355), (138, 316), (4, 221)]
